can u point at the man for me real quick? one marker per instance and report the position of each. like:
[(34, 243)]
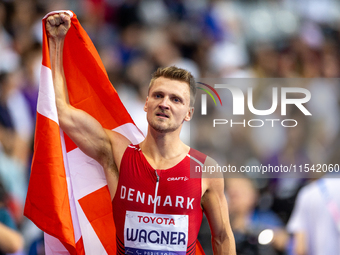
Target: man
[(315, 221), (248, 222), (153, 211)]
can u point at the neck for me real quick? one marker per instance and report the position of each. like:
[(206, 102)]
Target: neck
[(163, 145)]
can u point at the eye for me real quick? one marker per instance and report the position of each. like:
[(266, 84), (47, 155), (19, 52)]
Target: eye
[(158, 95), (176, 100)]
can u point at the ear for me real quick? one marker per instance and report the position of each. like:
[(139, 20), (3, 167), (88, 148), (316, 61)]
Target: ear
[(190, 113), (146, 104)]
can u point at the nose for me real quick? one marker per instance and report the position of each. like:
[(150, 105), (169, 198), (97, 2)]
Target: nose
[(164, 104)]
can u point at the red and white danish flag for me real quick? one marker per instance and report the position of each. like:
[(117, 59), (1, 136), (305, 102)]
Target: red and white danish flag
[(68, 197)]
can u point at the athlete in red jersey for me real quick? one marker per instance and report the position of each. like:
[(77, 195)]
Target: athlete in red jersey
[(156, 213), (149, 195)]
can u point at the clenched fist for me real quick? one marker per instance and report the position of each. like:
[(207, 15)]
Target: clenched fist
[(57, 25)]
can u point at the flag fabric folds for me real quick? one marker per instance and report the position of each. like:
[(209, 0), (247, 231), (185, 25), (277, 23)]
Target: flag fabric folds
[(68, 197)]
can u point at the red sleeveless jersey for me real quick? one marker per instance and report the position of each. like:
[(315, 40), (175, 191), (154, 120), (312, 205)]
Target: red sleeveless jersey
[(157, 212)]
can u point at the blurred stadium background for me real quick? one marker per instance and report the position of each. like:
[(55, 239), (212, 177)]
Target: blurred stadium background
[(212, 39)]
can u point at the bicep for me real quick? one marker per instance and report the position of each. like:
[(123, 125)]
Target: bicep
[(215, 206), (216, 209), (87, 133)]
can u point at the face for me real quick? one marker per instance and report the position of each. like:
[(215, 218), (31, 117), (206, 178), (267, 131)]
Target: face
[(241, 195), (168, 105)]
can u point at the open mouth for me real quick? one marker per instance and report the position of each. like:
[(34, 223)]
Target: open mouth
[(160, 114)]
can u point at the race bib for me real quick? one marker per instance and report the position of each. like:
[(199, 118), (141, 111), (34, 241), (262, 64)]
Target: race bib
[(155, 234)]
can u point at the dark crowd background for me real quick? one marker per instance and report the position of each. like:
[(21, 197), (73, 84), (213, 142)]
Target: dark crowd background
[(219, 39)]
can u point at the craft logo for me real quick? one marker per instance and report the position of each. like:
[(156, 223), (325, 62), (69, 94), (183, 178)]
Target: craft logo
[(170, 179), (238, 109)]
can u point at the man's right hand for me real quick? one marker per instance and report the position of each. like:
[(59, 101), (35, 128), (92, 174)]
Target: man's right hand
[(57, 25)]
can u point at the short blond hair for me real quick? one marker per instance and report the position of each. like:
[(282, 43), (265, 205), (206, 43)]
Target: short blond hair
[(179, 74)]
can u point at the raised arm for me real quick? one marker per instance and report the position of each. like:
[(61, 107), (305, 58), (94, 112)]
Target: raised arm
[(84, 130), (215, 208)]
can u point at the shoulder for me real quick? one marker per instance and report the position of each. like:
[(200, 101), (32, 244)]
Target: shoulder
[(208, 166), (197, 156), (117, 138), (309, 191), (212, 179), (212, 169)]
